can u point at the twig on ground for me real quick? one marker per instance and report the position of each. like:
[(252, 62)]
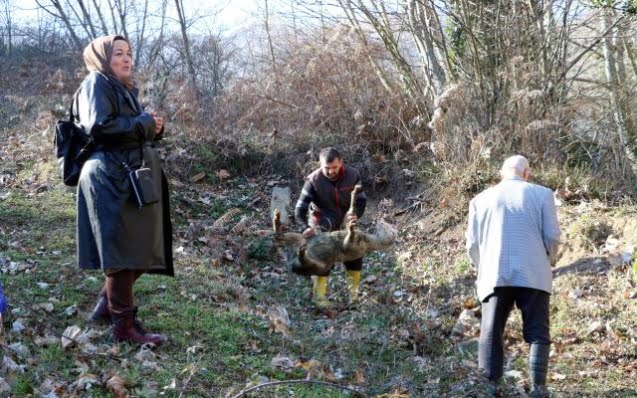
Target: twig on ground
[(323, 383)]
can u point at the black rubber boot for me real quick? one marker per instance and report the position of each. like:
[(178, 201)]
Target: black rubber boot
[(538, 369)]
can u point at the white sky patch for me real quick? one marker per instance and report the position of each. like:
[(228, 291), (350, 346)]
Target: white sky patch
[(224, 15)]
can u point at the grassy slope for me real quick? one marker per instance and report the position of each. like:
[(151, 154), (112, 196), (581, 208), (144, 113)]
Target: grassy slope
[(224, 313)]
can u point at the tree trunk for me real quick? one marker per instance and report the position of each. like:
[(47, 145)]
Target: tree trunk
[(111, 6), (101, 17), (378, 18), (122, 11), (184, 35), (87, 19), (8, 13), (380, 72), (141, 35), (61, 14), (626, 132), (420, 29), (269, 36)]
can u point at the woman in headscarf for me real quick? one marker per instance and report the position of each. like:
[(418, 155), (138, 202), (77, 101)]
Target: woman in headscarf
[(114, 234)]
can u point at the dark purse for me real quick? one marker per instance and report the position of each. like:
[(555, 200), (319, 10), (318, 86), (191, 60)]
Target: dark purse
[(72, 148), (142, 184)]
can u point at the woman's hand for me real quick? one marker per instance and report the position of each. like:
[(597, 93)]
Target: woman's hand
[(309, 232), (159, 122)]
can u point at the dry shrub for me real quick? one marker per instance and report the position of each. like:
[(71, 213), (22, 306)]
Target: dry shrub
[(317, 88), (455, 120), (41, 74)]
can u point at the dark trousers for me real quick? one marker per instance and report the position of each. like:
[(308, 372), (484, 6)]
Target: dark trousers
[(534, 305), (354, 265)]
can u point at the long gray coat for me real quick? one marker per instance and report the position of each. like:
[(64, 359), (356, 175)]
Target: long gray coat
[(111, 231)]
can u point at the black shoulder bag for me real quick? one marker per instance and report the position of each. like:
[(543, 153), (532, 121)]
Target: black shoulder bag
[(72, 147), (141, 181)]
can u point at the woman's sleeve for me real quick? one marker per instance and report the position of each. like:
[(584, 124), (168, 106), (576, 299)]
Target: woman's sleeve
[(100, 117)]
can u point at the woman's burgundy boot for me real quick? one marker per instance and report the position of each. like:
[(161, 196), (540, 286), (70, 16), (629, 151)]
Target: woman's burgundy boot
[(125, 330)]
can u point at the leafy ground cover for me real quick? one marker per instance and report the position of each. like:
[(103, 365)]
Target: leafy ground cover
[(235, 319)]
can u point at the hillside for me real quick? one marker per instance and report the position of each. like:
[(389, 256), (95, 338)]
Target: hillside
[(234, 318)]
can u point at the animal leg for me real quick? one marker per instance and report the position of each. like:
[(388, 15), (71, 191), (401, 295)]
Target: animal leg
[(315, 267), (276, 221), (349, 238)]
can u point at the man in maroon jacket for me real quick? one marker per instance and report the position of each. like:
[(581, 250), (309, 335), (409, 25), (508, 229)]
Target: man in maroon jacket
[(323, 205)]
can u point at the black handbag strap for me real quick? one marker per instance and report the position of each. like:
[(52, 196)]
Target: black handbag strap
[(72, 117)]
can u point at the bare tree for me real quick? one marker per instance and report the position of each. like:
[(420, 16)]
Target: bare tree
[(114, 18), (7, 31), (122, 8), (86, 18), (266, 22), (424, 24), (59, 13), (615, 74), (98, 10), (141, 32), (376, 14), (186, 43)]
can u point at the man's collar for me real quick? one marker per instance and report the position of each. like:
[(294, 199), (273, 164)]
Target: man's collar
[(515, 177)]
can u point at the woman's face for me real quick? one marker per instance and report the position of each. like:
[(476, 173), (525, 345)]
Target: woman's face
[(121, 60)]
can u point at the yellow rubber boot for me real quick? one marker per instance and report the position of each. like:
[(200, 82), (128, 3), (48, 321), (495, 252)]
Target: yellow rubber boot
[(320, 291), (354, 280)]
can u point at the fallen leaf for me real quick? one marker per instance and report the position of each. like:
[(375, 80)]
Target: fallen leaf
[(70, 336), (4, 386), (71, 310), (378, 158), (370, 279), (558, 376), (86, 381), (223, 174), (19, 348), (18, 326), (280, 362), (46, 341), (9, 365), (359, 377), (48, 307), (516, 374), (117, 387), (197, 177), (47, 386), (227, 255), (312, 366), (145, 354), (279, 320), (150, 365)]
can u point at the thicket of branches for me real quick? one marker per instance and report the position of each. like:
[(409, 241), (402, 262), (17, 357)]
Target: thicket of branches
[(450, 81)]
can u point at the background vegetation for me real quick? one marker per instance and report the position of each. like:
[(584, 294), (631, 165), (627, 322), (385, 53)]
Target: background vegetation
[(426, 98)]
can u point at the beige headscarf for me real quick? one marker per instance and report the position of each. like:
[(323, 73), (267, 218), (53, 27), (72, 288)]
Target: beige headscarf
[(97, 57)]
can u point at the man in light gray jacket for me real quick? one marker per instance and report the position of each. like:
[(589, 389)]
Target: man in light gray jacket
[(512, 240)]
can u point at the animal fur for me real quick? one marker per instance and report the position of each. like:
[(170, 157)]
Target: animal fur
[(318, 254)]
